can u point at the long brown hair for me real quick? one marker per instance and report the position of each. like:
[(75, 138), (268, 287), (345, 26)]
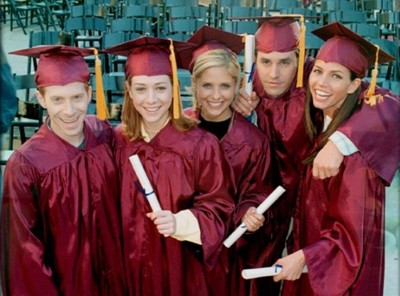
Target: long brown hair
[(131, 118), (314, 116)]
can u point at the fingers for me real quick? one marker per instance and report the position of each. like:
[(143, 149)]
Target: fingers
[(253, 220), (164, 221), (244, 104), (324, 172)]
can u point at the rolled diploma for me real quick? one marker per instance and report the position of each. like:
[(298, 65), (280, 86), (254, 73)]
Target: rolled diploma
[(145, 182), (270, 199), (253, 273), (248, 62)]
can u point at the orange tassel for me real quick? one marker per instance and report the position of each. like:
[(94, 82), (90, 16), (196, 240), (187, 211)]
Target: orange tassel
[(370, 98), (176, 108), (302, 53), (101, 105)]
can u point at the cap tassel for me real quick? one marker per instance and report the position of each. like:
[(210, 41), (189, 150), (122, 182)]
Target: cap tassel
[(302, 53), (370, 98), (176, 108), (101, 105), (243, 82)]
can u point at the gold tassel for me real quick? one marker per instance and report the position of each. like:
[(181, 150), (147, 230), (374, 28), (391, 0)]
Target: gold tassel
[(302, 53), (370, 98), (101, 105), (243, 82), (176, 108)]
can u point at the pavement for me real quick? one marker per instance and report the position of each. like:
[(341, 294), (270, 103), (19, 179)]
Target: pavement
[(17, 40)]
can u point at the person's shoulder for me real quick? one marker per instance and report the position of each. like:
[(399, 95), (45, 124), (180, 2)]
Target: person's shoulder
[(101, 129), (247, 133)]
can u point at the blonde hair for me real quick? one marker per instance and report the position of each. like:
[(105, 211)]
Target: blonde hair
[(215, 58), (131, 118)]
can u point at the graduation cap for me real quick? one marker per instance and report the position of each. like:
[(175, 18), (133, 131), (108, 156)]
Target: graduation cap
[(205, 39), (349, 49), (283, 33), (152, 56), (61, 65)]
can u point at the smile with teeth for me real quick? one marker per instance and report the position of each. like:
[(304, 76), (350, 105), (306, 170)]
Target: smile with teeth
[(69, 121), (322, 94), (152, 109), (215, 104)]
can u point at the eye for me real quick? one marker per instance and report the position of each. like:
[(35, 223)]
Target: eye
[(206, 85), (265, 62), (337, 76), (285, 62), (161, 88), (56, 99), (226, 86), (316, 71), (140, 89), (77, 98)]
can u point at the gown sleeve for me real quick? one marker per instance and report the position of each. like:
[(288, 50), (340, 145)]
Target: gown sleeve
[(352, 219), (371, 128), (23, 267)]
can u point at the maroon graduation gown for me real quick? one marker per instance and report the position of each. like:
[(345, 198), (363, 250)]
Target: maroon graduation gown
[(247, 150), (187, 171), (60, 230), (339, 224), (283, 120)]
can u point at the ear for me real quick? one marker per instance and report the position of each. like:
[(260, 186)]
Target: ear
[(128, 87), (90, 93), (41, 100), (193, 81), (354, 85)]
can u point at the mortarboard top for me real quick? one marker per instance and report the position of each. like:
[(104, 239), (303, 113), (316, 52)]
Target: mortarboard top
[(152, 56), (58, 64), (148, 56), (349, 49), (62, 64), (205, 39), (278, 33)]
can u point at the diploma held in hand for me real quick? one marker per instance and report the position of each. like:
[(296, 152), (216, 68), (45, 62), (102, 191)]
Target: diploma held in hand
[(249, 63), (253, 273), (260, 210), (145, 182)]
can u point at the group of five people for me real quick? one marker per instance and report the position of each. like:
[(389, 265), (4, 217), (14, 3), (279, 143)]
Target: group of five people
[(75, 220)]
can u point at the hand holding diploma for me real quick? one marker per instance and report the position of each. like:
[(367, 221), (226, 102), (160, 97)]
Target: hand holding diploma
[(260, 210), (249, 63)]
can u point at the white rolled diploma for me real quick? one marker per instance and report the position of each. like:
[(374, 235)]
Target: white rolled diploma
[(248, 62), (268, 201), (253, 273), (145, 183)]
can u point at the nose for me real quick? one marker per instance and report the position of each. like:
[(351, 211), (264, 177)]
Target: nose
[(274, 71), (322, 80), (151, 96), (69, 108), (216, 93)]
